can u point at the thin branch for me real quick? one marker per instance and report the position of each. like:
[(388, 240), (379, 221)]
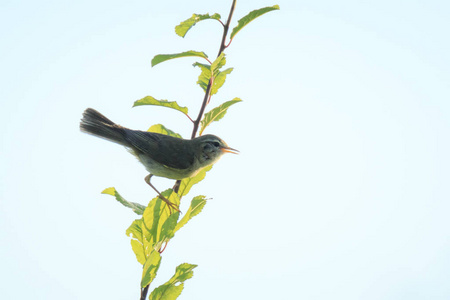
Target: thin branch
[(226, 27), (202, 109), (208, 60), (229, 42), (162, 250), (208, 88), (189, 118)]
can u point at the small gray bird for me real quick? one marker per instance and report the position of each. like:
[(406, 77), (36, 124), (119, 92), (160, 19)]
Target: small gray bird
[(162, 155)]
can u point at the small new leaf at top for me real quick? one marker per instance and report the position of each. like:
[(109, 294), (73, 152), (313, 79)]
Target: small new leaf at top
[(184, 26), (250, 17)]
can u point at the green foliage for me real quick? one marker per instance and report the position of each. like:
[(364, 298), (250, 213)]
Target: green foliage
[(205, 75), (219, 80), (136, 207), (216, 113), (171, 289), (138, 241), (155, 216), (147, 233), (156, 227), (149, 100), (213, 72), (218, 63), (158, 222), (196, 207), (250, 17), (184, 26), (163, 57), (150, 268), (187, 183), (159, 128)]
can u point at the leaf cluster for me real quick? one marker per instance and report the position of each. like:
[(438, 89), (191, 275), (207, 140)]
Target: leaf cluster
[(211, 73), (158, 223)]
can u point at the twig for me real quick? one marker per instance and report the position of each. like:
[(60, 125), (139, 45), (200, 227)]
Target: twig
[(226, 27), (208, 88)]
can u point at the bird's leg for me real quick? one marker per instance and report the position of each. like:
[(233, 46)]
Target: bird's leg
[(176, 187), (170, 204)]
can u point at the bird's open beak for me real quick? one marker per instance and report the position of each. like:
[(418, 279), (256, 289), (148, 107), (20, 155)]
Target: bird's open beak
[(229, 150)]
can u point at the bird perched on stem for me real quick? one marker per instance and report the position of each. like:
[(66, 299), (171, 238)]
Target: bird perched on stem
[(162, 155)]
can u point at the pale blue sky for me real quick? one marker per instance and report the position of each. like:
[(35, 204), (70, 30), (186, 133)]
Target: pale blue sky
[(341, 190)]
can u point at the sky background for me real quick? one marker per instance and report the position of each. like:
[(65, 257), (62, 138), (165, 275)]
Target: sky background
[(341, 190)]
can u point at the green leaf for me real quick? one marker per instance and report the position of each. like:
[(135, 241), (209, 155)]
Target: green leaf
[(196, 207), (167, 292), (159, 128), (219, 76), (219, 80), (156, 226), (163, 57), (218, 63), (137, 241), (149, 100), (136, 207), (139, 244), (150, 268), (184, 26), (250, 17), (205, 75), (168, 228), (155, 216), (187, 183), (216, 114), (139, 251), (171, 289), (135, 230)]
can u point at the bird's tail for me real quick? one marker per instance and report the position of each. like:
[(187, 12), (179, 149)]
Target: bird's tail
[(97, 124)]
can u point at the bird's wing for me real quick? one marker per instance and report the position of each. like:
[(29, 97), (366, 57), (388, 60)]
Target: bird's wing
[(170, 151)]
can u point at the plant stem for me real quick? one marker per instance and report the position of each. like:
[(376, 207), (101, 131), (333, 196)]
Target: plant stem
[(226, 27), (210, 83), (202, 108), (223, 46), (144, 292), (208, 88)]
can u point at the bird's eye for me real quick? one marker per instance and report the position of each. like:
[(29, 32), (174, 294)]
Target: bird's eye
[(216, 144)]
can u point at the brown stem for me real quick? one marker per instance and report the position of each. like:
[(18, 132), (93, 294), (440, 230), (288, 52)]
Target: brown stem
[(226, 27), (208, 88), (144, 292), (202, 109)]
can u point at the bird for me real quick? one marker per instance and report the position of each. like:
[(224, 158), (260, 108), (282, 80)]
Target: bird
[(162, 155)]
